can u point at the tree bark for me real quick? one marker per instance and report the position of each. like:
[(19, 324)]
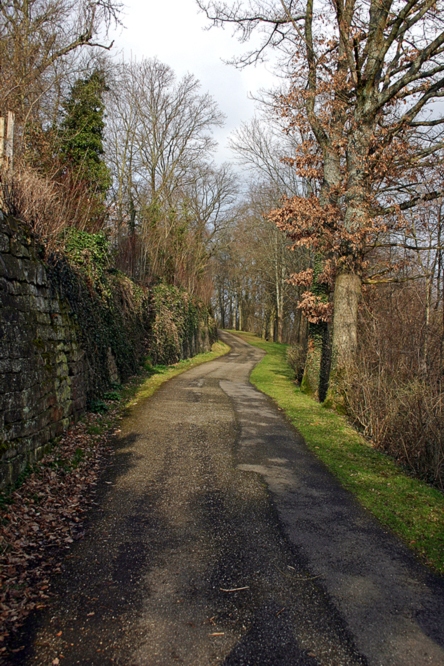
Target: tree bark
[(347, 293)]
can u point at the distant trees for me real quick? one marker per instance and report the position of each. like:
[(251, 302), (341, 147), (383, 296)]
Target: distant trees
[(365, 82), (251, 269)]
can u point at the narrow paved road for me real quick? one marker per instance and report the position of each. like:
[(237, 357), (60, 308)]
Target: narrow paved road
[(219, 539)]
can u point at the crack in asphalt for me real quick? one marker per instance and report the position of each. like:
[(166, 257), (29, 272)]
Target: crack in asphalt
[(218, 538)]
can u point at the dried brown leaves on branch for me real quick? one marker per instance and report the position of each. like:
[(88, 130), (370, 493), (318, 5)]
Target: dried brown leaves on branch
[(42, 518)]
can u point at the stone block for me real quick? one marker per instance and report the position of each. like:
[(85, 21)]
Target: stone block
[(12, 400), (19, 248), (12, 382), (12, 349), (41, 276), (13, 416), (12, 450), (44, 292), (18, 288), (12, 268), (18, 465), (43, 318), (10, 365), (25, 302), (46, 333), (10, 316), (4, 243), (6, 287), (28, 270)]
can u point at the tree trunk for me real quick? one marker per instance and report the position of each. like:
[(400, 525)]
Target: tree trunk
[(345, 319), (279, 292), (271, 327), (325, 365), (221, 307)]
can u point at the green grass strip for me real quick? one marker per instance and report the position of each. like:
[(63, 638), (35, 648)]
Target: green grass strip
[(409, 507), (162, 373)]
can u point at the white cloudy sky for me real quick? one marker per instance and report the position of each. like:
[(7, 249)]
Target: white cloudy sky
[(173, 30)]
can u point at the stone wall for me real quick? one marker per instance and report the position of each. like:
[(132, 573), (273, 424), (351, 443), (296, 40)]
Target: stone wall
[(42, 370), (65, 340)]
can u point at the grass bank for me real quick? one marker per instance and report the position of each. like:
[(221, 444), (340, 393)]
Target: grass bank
[(411, 508)]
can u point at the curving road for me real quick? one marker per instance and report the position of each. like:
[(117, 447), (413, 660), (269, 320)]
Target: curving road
[(218, 538)]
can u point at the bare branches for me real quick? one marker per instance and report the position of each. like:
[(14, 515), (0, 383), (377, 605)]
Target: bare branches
[(167, 193), (275, 20), (36, 36)]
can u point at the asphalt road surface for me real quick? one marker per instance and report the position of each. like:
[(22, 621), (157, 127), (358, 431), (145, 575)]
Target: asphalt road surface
[(218, 538)]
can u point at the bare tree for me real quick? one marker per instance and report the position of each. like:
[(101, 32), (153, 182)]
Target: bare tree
[(36, 38), (167, 192), (365, 81), (260, 146)]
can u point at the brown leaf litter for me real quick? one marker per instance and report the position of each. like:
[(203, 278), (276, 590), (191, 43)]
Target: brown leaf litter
[(42, 517)]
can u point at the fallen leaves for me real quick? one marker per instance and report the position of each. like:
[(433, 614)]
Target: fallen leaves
[(42, 518)]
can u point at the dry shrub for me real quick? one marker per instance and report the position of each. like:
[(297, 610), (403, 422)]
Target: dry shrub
[(394, 391), (49, 206), (296, 358)]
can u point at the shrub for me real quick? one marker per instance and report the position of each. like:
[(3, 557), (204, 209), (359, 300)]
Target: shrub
[(393, 393), (296, 358)]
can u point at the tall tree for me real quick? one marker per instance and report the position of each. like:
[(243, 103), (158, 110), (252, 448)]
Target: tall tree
[(82, 134), (170, 199), (365, 79)]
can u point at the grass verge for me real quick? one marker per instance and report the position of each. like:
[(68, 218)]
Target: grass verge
[(409, 507)]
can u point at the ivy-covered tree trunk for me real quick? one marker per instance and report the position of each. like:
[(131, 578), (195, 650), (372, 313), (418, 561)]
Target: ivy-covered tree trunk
[(325, 364)]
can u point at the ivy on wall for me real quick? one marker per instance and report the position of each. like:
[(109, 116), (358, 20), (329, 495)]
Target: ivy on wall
[(181, 325), (121, 322)]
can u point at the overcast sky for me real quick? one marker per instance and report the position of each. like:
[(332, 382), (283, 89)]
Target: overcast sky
[(174, 32)]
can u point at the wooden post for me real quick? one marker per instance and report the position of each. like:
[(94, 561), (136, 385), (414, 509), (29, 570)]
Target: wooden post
[(2, 141), (9, 144)]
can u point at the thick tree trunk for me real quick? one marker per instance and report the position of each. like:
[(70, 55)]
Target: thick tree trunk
[(345, 319)]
